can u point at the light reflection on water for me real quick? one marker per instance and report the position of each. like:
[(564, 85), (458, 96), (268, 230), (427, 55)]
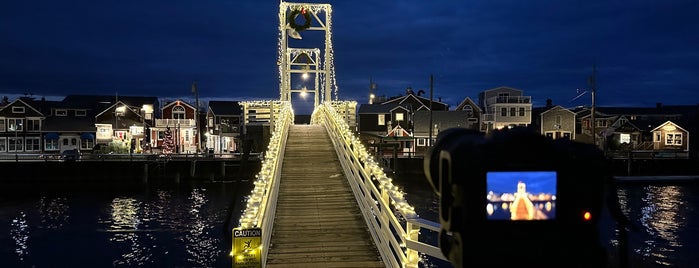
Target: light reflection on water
[(662, 214), (19, 232), (143, 227)]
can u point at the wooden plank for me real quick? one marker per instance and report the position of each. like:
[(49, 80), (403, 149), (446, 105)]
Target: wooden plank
[(317, 222)]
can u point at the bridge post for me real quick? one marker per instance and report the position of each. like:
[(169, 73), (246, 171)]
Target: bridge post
[(412, 255)]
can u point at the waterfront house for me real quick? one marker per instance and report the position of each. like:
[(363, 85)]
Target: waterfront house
[(224, 124), (376, 121), (70, 124), (473, 113), (180, 117), (504, 107), (125, 125), (622, 131), (557, 122), (20, 127), (672, 139), (441, 120)]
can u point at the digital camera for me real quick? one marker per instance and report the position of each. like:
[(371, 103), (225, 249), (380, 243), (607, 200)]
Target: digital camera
[(516, 198)]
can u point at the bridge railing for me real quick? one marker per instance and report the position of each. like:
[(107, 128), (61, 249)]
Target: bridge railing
[(393, 223), (262, 202)]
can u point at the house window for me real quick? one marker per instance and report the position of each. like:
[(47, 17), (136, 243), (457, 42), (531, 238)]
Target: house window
[(566, 135), (73, 141), (549, 135), (61, 112), (33, 125), (80, 113), (50, 145), (558, 120), (521, 111), (2, 124), (3, 145), (624, 138), (87, 144), (421, 142), (503, 111), (186, 135), (399, 117), (673, 139), (513, 111), (502, 97), (178, 112), (33, 144), (15, 144), (382, 120), (65, 142), (658, 137), (14, 124), (17, 109)]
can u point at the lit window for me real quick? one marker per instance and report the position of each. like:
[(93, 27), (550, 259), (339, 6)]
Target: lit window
[(399, 116), (382, 120), (673, 139), (15, 124), (625, 138)]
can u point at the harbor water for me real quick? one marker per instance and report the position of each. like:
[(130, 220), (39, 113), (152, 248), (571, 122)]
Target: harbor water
[(188, 225)]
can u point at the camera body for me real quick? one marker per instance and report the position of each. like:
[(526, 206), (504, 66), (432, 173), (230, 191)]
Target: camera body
[(515, 197)]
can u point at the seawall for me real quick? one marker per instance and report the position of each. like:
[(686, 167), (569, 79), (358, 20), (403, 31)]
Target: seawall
[(141, 171)]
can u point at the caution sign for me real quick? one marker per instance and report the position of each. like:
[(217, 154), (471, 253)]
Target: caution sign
[(247, 248)]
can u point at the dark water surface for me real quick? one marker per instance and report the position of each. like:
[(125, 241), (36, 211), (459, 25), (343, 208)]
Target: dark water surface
[(183, 225), (106, 226)]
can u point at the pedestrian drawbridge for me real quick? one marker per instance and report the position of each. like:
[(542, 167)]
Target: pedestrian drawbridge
[(321, 200)]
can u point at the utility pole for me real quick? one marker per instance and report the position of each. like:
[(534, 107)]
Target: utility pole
[(196, 114), (593, 85), (429, 143)]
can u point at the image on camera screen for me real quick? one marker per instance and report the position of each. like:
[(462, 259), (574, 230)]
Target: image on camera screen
[(521, 195)]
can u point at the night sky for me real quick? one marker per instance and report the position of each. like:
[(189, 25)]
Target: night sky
[(645, 51)]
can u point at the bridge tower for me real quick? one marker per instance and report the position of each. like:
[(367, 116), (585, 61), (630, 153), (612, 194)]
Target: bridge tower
[(309, 70)]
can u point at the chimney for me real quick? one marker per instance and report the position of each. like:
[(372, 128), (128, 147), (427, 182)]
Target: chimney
[(549, 103)]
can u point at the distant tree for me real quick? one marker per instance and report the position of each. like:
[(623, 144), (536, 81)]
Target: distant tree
[(5, 101), (168, 142)]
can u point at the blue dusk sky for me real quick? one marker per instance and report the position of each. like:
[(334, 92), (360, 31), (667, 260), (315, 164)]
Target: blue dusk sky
[(645, 51), (536, 181)]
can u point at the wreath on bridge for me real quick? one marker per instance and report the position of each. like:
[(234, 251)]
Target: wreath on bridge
[(292, 19)]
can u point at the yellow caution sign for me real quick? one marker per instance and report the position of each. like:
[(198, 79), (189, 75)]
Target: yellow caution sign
[(247, 248)]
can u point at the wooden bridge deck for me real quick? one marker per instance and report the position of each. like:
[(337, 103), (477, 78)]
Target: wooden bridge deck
[(318, 222)]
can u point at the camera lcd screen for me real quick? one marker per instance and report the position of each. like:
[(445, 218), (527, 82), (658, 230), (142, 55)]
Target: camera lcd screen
[(521, 195)]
